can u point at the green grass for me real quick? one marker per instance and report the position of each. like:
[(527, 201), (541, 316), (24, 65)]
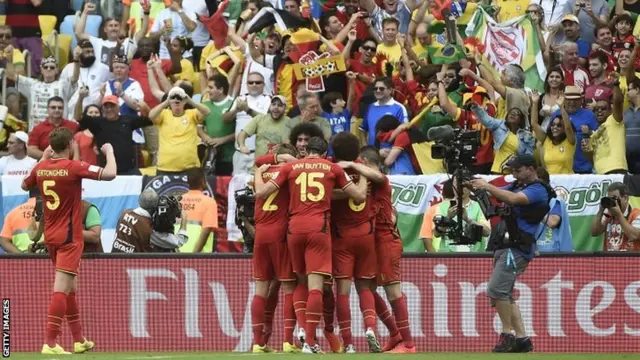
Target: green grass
[(231, 356)]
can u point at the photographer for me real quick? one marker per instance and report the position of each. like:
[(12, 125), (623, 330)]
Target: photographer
[(513, 243), (149, 227), (245, 204), (619, 222)]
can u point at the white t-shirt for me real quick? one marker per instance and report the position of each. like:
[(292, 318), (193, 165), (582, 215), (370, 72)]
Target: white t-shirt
[(179, 29), (104, 49), (259, 104), (253, 66), (200, 35), (134, 92), (93, 77), (9, 165), (38, 93)]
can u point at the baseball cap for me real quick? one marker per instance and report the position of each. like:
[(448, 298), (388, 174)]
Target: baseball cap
[(22, 136), (570, 17), (281, 98), (522, 160), (572, 92), (111, 99)]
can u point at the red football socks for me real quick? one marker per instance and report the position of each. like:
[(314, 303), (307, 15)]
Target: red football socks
[(368, 308), (57, 311), (344, 319), (289, 318), (399, 306), (328, 310), (313, 315), (257, 318), (73, 318), (300, 295), (270, 309), (385, 315)]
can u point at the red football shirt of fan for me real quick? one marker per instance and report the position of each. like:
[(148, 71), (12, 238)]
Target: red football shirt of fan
[(347, 213), (60, 183), (311, 182), (272, 214), (372, 70)]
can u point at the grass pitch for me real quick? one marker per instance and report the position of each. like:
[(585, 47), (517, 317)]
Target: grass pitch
[(361, 356)]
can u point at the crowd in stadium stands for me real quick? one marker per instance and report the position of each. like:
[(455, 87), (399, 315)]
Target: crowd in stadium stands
[(181, 84)]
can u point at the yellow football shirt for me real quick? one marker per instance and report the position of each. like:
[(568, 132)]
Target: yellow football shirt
[(558, 159), (178, 140), (609, 146), (506, 151)]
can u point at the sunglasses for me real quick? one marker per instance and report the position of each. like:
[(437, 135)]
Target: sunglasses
[(368, 48), (176, 97), (255, 82), (601, 108), (49, 67), (531, 11), (380, 88), (558, 125), (5, 36)]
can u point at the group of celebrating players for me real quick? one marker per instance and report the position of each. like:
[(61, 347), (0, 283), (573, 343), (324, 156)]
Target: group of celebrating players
[(317, 221)]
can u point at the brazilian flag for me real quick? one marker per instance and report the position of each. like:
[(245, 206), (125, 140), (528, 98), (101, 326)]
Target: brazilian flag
[(447, 54)]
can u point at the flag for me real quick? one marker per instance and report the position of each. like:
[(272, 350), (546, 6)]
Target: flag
[(447, 54), (217, 25), (511, 42), (304, 40), (270, 16)]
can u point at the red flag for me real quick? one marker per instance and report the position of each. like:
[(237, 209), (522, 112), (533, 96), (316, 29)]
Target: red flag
[(217, 25)]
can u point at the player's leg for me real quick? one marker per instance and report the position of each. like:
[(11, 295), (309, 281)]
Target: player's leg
[(263, 272), (328, 315), (343, 309), (318, 265), (296, 247), (315, 283), (365, 274), (80, 343), (382, 310), (287, 279), (270, 308)]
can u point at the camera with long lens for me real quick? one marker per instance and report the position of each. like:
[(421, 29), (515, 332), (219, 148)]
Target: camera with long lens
[(608, 202), (166, 214), (245, 209)]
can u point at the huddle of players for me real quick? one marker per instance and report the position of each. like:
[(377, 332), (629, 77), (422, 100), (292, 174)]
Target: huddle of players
[(316, 219)]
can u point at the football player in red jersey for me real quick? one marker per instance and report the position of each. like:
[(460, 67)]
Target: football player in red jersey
[(60, 183), (310, 182), (389, 253), (354, 252), (271, 257)]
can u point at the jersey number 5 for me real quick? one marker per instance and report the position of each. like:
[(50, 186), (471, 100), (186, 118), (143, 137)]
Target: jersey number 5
[(308, 181), (48, 191)]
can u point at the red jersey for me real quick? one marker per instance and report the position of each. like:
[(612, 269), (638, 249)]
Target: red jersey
[(466, 119), (373, 71), (272, 213), (60, 183), (384, 208), (348, 214), (311, 182)]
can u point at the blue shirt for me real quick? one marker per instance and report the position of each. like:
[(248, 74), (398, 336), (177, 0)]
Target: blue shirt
[(339, 123), (558, 239), (579, 118), (583, 48), (631, 120), (537, 195), (124, 108), (375, 111)]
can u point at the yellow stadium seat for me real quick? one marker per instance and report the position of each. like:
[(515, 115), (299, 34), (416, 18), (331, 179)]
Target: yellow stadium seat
[(64, 44), (47, 24), (3, 20)]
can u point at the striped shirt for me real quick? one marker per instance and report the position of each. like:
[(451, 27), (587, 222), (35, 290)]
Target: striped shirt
[(22, 16)]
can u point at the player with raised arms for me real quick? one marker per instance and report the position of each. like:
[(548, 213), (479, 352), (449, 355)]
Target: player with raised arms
[(311, 182), (59, 180)]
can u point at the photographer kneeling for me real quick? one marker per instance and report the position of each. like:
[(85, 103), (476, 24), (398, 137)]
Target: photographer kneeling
[(513, 244), (150, 226), (619, 222)]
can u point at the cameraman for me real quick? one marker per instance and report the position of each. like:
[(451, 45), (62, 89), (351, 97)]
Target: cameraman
[(619, 222), (145, 229), (513, 243)]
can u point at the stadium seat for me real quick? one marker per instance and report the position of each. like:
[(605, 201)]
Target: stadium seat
[(47, 24), (93, 25), (63, 46), (66, 28), (77, 5), (3, 19)]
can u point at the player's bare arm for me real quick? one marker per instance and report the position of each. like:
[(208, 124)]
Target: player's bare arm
[(263, 190), (110, 169), (357, 191), (372, 175)]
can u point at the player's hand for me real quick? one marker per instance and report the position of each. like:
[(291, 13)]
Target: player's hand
[(48, 153), (384, 152), (264, 168), (106, 149)]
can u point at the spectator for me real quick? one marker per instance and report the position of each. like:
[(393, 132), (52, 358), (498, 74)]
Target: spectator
[(620, 223), (116, 129), (391, 9), (91, 74), (555, 231), (171, 23), (390, 47), (590, 13), (22, 17), (337, 111), (622, 36), (127, 90), (310, 111), (300, 135), (558, 141), (9, 54), (604, 43), (354, 17), (395, 147), (553, 92), (552, 11), (571, 29), (40, 91), (599, 79), (268, 128), (574, 75), (384, 105), (200, 35), (84, 144), (218, 135), (243, 110), (183, 44), (201, 211), (39, 137), (363, 65), (510, 87), (177, 132), (14, 238), (631, 119), (17, 162)]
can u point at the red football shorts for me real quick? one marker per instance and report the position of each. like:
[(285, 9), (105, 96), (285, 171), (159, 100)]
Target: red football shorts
[(272, 260), (66, 257), (354, 253), (389, 253), (310, 253)]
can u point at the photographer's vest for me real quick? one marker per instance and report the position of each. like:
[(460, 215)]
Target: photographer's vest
[(134, 236), (89, 248)]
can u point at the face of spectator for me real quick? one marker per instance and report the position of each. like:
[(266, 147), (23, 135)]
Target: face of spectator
[(112, 111), (572, 105), (534, 12), (596, 68), (624, 59), (175, 46), (145, 48), (381, 91), (13, 103), (49, 71), (632, 94), (351, 6), (524, 173), (333, 26), (301, 144), (214, 92), (604, 38), (390, 31), (276, 110), (368, 51), (390, 5), (15, 146), (93, 111), (557, 128), (255, 83), (624, 200), (623, 27), (602, 109), (258, 44), (513, 118), (449, 76), (432, 91), (570, 58), (5, 38), (112, 29), (311, 109), (177, 106), (288, 46), (121, 71), (272, 45), (571, 29), (421, 34), (292, 7), (253, 7), (55, 110), (555, 80)]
